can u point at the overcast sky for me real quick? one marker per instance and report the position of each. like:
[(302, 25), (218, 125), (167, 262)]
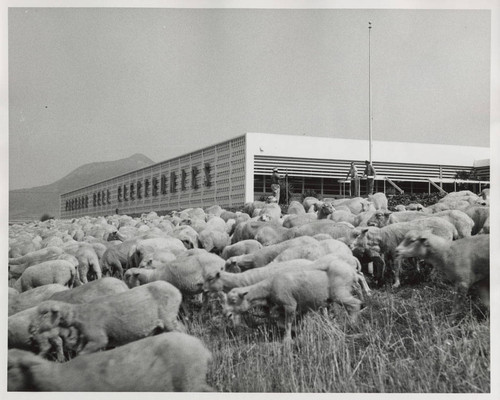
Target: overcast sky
[(95, 84)]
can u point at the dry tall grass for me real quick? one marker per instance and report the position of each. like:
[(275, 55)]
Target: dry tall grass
[(404, 341)]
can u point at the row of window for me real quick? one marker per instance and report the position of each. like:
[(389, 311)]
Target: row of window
[(133, 191), (99, 198)]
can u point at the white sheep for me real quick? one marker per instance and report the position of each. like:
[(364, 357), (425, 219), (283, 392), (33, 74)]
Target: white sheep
[(464, 262), (33, 297), (169, 362), (379, 244), (265, 255), (298, 292), (91, 291), (242, 247), (56, 271), (111, 320)]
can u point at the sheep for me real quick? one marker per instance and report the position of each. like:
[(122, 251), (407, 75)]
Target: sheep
[(379, 201), (187, 235), (373, 243), (250, 207), (243, 247), (343, 216), (462, 222), (248, 229), (324, 210), (185, 273), (157, 258), (179, 364), (464, 261), (113, 262), (136, 251), (356, 205), (298, 291), (335, 230), (213, 240), (214, 210), (18, 325), (486, 227), (291, 221), (315, 251), (265, 255), (273, 234), (57, 271), (111, 320), (309, 202), (88, 262), (217, 279), (447, 205), (33, 297), (479, 215), (296, 208), (272, 210), (90, 291), (37, 257), (401, 207)]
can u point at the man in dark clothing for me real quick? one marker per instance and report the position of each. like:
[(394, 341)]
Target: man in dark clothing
[(353, 175), (370, 176), (275, 184)]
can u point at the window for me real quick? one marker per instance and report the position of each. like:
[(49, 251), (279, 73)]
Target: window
[(139, 189), (155, 186), (125, 193), (98, 198), (183, 179), (119, 194), (163, 184), (146, 187), (108, 196), (173, 182), (208, 180), (194, 177), (86, 201), (132, 191), (94, 203)]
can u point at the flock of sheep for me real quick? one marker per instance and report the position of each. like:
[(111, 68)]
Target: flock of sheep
[(98, 304)]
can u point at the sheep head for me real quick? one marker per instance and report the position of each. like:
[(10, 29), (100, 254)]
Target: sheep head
[(236, 303), (415, 244), (52, 314), (379, 219), (212, 282)]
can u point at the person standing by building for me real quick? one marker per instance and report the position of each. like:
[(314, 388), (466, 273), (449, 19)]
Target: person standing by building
[(353, 175), (275, 184), (370, 175)]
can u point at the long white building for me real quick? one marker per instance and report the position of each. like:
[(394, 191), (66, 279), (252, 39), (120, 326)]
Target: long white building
[(238, 170)]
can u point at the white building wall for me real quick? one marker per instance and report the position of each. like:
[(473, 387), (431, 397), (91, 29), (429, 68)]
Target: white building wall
[(347, 149)]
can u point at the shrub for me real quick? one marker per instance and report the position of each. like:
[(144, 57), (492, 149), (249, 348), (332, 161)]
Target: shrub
[(46, 217)]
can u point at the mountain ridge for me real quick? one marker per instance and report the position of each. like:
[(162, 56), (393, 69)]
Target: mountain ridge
[(32, 203)]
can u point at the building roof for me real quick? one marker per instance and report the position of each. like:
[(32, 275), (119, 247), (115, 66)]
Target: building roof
[(357, 149)]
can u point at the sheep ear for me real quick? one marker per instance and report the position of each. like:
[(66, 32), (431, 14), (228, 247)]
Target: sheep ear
[(136, 274), (54, 315), (387, 213), (364, 231), (242, 294), (217, 275)]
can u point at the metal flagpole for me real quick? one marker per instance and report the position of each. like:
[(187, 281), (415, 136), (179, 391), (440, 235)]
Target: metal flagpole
[(369, 94)]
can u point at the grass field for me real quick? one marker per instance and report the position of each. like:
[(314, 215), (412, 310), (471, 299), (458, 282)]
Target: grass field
[(404, 342)]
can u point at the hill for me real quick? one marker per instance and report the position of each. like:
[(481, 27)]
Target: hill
[(32, 203)]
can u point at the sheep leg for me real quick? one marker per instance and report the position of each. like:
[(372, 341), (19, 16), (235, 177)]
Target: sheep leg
[(461, 292), (96, 342), (289, 318), (396, 264), (351, 303)]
